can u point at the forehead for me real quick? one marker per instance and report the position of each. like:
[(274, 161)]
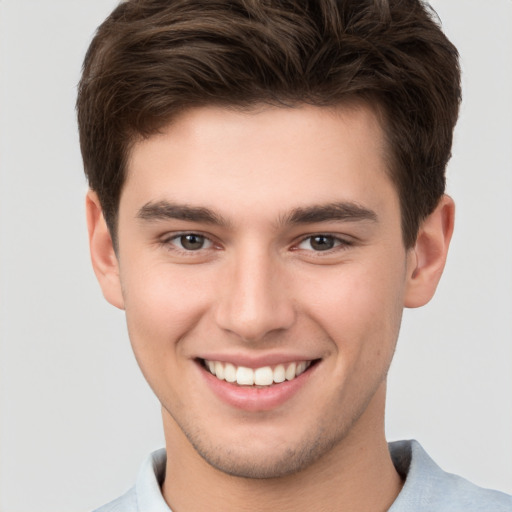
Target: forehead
[(276, 157)]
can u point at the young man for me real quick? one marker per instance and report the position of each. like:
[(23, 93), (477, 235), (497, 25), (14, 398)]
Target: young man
[(266, 196)]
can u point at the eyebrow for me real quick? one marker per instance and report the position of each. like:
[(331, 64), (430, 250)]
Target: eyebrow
[(344, 211), (163, 210)]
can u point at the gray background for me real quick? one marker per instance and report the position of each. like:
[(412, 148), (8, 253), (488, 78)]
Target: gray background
[(76, 417)]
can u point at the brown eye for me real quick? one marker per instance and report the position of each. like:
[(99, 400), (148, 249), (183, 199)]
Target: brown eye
[(322, 242), (191, 242)]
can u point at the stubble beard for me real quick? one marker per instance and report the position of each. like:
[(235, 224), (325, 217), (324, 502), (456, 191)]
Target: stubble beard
[(290, 460), (317, 442)]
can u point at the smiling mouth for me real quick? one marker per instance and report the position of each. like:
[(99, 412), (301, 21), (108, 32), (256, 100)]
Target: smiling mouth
[(263, 376)]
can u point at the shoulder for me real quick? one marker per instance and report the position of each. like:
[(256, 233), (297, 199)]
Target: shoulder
[(125, 503), (427, 487)]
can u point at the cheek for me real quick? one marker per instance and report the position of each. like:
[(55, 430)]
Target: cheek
[(161, 306), (359, 307)]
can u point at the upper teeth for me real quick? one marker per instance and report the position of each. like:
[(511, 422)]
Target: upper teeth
[(264, 376)]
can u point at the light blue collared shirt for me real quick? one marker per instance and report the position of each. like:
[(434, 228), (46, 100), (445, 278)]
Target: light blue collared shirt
[(427, 487)]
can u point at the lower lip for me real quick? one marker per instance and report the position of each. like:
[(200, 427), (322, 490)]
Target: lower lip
[(253, 398)]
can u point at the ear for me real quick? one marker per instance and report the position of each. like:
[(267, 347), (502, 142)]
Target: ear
[(103, 256), (428, 257)]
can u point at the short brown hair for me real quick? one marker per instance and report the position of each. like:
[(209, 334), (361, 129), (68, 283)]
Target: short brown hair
[(151, 59)]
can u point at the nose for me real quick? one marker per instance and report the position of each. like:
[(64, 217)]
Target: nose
[(254, 300)]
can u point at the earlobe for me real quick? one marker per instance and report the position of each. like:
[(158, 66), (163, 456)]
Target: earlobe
[(428, 257), (103, 256)]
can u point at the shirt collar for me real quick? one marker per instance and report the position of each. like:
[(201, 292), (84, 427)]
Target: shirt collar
[(149, 480), (412, 463)]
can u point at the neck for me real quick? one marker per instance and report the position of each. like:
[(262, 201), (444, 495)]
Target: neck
[(355, 475)]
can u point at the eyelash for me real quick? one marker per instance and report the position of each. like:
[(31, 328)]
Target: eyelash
[(339, 243), (169, 242)]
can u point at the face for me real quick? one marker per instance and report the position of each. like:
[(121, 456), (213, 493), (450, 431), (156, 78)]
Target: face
[(263, 275)]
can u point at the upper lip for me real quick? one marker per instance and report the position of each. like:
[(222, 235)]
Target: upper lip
[(257, 361)]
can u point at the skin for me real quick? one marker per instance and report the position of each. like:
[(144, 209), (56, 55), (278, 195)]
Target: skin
[(258, 289)]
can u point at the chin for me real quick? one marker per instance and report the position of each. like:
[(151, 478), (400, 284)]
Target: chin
[(265, 462)]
